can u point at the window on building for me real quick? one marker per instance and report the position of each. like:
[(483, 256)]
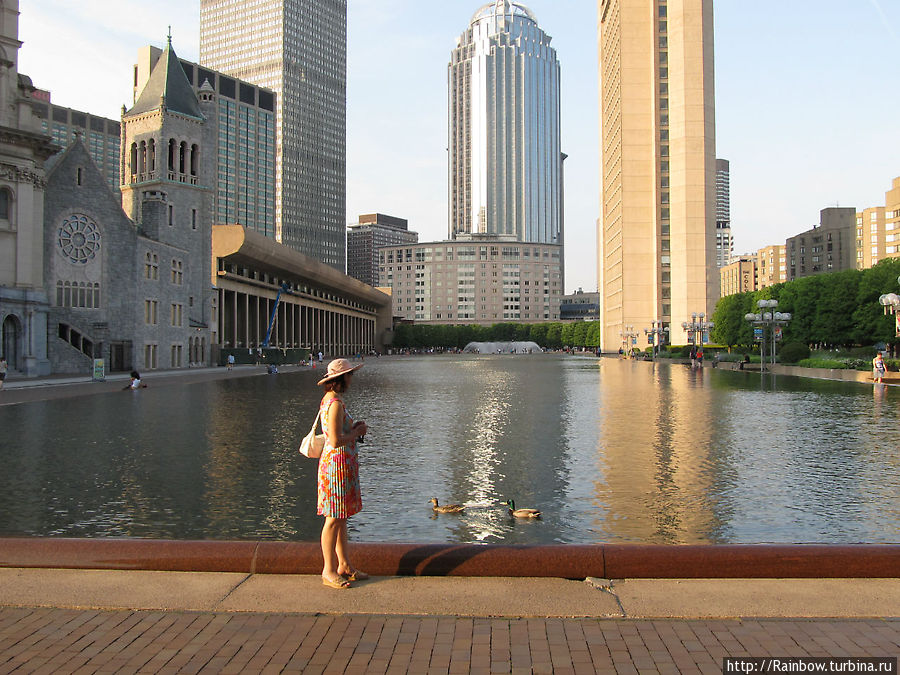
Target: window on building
[(177, 272), (151, 308), (151, 266), (5, 200)]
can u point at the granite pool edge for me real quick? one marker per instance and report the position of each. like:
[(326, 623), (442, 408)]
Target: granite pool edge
[(571, 561)]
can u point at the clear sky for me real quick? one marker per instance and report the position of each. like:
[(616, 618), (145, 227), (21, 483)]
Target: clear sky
[(806, 101)]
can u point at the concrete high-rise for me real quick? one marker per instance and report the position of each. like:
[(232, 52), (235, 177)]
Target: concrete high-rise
[(657, 229), (829, 246), (374, 231), (505, 163), (297, 48)]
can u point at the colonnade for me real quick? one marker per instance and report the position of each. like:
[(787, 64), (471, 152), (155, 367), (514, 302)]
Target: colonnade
[(182, 161), (243, 320)]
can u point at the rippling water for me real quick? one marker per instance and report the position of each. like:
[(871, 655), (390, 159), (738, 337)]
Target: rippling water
[(609, 450)]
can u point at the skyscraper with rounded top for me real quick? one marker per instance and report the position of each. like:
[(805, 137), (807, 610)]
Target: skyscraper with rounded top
[(505, 163)]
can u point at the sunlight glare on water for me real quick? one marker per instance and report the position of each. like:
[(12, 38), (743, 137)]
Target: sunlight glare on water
[(609, 450)]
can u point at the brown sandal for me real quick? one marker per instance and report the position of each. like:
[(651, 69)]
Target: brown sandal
[(343, 583)]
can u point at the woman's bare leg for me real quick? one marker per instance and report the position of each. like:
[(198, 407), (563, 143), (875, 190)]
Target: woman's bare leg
[(331, 534), (343, 561)]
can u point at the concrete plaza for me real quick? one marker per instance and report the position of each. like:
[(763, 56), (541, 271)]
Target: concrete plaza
[(87, 621)]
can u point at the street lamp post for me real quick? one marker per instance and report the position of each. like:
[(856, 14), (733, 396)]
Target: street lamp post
[(656, 333), (628, 335), (696, 327), (891, 303), (767, 320)]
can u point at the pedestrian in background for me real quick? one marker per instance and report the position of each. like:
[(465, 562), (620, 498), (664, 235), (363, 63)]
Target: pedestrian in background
[(3, 368), (878, 367)]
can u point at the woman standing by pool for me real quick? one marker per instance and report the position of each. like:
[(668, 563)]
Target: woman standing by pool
[(338, 477)]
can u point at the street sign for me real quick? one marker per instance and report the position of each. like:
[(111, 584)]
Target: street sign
[(650, 339), (758, 334), (99, 372), (634, 339)]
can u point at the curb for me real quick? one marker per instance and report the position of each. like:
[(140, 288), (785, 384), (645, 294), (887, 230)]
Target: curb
[(604, 561)]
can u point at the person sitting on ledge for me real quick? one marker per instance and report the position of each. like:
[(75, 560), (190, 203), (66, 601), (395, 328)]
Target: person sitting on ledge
[(135, 382)]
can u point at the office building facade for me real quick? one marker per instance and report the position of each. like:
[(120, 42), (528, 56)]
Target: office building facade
[(738, 276), (579, 306), (724, 240), (505, 162), (771, 266), (373, 232), (101, 135), (474, 280), (245, 181), (656, 232), (298, 49), (828, 247), (878, 230)]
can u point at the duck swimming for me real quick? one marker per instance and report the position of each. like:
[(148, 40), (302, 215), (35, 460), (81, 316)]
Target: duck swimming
[(448, 508), (521, 513)]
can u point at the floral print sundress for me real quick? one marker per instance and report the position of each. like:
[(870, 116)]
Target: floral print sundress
[(338, 478)]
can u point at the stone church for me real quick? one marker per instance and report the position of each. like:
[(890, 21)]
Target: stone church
[(23, 150), (128, 277)]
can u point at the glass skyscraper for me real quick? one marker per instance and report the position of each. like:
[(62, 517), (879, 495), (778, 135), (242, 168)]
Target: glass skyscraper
[(505, 163), (297, 48)]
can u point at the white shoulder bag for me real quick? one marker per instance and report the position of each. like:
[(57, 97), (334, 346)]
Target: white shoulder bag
[(313, 444)]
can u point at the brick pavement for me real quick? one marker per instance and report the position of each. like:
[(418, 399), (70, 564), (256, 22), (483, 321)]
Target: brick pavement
[(41, 640)]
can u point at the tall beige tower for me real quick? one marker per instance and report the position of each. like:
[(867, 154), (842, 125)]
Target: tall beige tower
[(657, 229)]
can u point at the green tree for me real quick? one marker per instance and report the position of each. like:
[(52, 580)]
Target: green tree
[(833, 322), (523, 332), (581, 333), (731, 328), (801, 298), (538, 334), (554, 336), (871, 323), (593, 337)]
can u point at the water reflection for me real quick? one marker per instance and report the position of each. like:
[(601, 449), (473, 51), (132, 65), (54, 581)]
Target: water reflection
[(609, 450)]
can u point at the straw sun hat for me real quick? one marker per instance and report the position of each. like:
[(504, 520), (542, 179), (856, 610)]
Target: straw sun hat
[(337, 368)]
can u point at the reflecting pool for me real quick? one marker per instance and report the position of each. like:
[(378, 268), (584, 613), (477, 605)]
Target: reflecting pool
[(609, 450)]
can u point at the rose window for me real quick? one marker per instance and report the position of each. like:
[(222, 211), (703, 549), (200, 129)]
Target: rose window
[(79, 238)]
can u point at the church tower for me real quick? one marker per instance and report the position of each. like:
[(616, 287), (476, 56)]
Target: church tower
[(169, 141)]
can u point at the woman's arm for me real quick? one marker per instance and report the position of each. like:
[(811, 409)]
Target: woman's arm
[(336, 426)]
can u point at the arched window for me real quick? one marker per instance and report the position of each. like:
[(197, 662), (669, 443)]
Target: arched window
[(5, 201), (133, 162), (195, 158), (142, 160), (96, 296), (172, 151), (181, 157), (151, 155), (67, 295), (59, 294)]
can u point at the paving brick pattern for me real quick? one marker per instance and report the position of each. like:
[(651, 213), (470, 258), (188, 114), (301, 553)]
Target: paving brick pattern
[(87, 641)]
